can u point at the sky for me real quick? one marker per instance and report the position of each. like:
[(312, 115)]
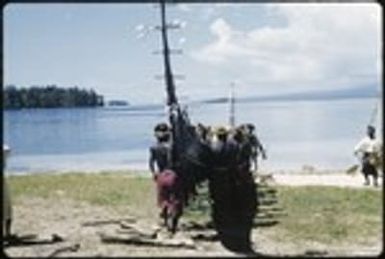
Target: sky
[(264, 49)]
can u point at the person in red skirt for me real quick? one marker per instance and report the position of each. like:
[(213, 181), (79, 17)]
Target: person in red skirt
[(169, 193)]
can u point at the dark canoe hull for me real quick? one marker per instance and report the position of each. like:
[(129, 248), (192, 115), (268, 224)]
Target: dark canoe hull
[(234, 205), (232, 191)]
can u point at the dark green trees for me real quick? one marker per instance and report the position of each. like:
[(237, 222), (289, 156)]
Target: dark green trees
[(49, 96)]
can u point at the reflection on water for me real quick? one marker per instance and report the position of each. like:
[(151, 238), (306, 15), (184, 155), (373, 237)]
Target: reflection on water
[(319, 133)]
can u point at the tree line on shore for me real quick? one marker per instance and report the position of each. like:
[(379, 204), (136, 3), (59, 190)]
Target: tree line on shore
[(50, 96)]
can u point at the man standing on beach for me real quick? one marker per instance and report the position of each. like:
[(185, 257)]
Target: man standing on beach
[(256, 145), (223, 151), (160, 153), (244, 149), (368, 149), (168, 184)]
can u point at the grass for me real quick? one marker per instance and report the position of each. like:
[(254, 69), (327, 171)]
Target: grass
[(199, 208), (105, 189), (329, 215)]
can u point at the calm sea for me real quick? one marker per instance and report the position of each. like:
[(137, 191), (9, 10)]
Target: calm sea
[(295, 133)]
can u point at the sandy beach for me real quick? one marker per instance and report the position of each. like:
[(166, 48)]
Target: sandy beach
[(340, 179)]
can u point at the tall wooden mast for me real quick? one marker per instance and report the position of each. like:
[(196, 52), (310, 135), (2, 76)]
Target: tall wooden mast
[(169, 80)]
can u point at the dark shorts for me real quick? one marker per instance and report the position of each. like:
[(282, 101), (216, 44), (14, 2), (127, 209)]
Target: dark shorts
[(367, 167)]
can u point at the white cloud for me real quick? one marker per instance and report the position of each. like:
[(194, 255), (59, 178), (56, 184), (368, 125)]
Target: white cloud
[(328, 44), (139, 27), (208, 12), (183, 24), (221, 29), (224, 47), (182, 40), (184, 7)]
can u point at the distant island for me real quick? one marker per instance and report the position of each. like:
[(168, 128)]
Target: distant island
[(50, 96), (354, 92), (117, 103)]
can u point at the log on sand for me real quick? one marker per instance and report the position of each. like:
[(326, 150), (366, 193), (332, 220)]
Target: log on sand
[(131, 232), (134, 239), (192, 225), (134, 229), (204, 236), (32, 240), (106, 222), (69, 248)]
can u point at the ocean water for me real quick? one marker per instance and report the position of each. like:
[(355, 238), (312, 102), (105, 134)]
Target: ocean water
[(295, 133)]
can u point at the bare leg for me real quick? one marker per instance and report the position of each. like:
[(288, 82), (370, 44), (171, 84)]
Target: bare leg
[(375, 179), (366, 171), (255, 164), (174, 224), (163, 217)]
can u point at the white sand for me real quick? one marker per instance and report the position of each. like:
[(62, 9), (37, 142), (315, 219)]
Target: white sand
[(324, 179)]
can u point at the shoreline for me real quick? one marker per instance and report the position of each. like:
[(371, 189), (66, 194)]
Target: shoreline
[(143, 168), (335, 177)]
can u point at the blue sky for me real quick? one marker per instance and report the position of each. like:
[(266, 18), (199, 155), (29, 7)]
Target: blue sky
[(264, 48)]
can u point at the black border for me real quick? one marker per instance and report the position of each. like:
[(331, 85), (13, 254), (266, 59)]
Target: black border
[(201, 2)]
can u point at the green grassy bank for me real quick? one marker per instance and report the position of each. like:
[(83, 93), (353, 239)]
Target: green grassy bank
[(330, 215), (107, 189)]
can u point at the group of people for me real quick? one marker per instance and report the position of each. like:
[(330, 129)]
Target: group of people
[(236, 148)]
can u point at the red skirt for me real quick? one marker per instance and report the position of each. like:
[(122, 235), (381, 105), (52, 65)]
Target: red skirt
[(169, 192)]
